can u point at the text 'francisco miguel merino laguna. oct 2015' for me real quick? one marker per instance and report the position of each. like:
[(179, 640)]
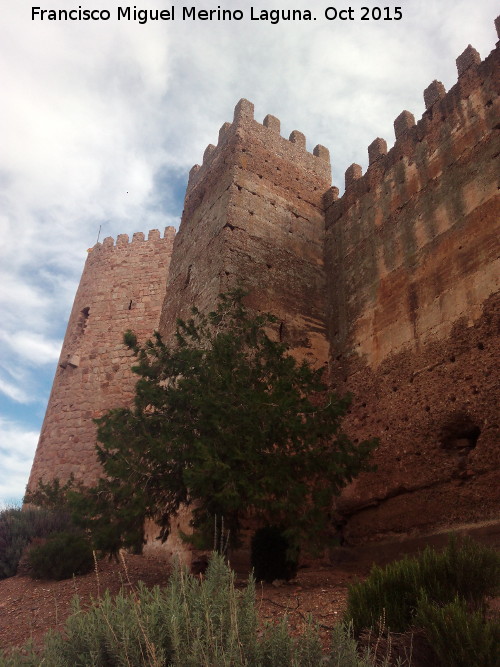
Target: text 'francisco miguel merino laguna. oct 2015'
[(273, 16)]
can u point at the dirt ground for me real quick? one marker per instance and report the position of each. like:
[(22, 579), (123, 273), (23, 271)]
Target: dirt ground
[(28, 607)]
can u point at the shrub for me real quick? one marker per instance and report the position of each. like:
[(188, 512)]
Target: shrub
[(187, 441), (190, 623), (270, 555), (459, 637), (13, 539), (464, 568), (61, 556), (375, 651), (18, 527)]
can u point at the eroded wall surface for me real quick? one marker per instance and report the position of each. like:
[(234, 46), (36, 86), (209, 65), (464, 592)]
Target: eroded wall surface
[(412, 255), (122, 287)]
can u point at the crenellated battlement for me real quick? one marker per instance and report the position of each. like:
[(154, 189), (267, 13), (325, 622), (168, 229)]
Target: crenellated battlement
[(293, 148), (415, 141), (137, 238)]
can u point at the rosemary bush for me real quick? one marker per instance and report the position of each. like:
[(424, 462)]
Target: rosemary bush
[(459, 637), (189, 623), (464, 568)]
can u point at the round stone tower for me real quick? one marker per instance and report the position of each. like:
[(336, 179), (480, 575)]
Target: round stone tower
[(122, 287)]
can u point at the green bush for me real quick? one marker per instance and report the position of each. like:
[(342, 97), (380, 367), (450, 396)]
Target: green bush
[(190, 623), (19, 526), (61, 556), (270, 555), (464, 568), (459, 637)]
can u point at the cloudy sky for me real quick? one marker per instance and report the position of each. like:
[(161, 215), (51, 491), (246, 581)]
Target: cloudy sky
[(102, 120)]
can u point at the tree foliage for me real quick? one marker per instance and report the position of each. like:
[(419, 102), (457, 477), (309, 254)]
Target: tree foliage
[(227, 422)]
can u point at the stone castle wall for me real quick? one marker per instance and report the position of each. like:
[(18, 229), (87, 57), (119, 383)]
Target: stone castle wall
[(253, 215), (122, 287), (412, 254), (394, 285)]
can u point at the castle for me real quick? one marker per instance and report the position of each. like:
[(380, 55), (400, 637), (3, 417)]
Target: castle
[(394, 286)]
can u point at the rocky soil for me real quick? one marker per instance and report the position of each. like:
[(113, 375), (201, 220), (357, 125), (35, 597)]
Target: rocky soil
[(29, 607)]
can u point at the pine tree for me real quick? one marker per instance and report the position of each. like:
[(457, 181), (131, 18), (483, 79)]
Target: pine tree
[(227, 422)]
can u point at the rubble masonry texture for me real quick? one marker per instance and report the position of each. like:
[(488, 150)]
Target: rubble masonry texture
[(394, 286), (122, 287)]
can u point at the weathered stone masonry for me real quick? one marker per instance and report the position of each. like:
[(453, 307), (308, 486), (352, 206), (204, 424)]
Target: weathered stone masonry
[(412, 255), (394, 285), (122, 287), (254, 213)]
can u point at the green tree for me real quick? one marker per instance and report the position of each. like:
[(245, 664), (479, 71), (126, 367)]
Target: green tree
[(227, 422)]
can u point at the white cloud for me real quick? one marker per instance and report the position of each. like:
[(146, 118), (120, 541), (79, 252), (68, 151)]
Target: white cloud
[(17, 448), (14, 392), (32, 347)]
